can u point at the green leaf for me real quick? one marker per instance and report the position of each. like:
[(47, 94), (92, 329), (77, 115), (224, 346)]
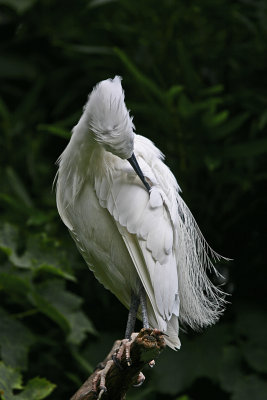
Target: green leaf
[(212, 90), (230, 126), (250, 387), (49, 310), (183, 398), (15, 341), (64, 308), (195, 360), (256, 355), (80, 325), (251, 148), (19, 5), (42, 253), (263, 120), (4, 111), (13, 67), (12, 283), (9, 380), (143, 80), (45, 254), (185, 107), (97, 3), (174, 91), (230, 368), (36, 389), (89, 49), (55, 130), (213, 120), (252, 327), (8, 238)]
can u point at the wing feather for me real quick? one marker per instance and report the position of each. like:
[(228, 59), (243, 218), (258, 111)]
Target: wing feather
[(145, 225)]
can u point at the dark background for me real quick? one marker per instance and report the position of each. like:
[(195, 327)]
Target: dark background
[(195, 79)]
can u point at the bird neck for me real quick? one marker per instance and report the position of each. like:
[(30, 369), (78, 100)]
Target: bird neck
[(79, 161)]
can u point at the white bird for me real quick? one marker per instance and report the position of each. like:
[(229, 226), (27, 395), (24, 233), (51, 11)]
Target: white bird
[(135, 232)]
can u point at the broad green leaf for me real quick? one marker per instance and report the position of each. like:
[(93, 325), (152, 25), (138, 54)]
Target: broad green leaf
[(250, 387), (36, 389), (64, 308), (80, 325), (256, 355), (49, 310), (12, 283), (15, 341), (252, 327), (9, 380), (195, 360), (46, 254), (230, 368), (144, 393), (42, 253)]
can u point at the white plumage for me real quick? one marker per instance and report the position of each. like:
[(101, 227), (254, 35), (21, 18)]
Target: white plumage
[(124, 232)]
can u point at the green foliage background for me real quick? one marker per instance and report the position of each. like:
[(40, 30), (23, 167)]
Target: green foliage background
[(195, 80)]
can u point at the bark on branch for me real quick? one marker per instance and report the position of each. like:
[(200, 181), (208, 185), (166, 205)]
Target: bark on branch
[(146, 347)]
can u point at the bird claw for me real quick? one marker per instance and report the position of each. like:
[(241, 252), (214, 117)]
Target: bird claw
[(140, 380), (128, 361), (116, 361)]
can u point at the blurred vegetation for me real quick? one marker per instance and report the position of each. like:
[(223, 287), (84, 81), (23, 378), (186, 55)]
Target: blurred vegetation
[(195, 80)]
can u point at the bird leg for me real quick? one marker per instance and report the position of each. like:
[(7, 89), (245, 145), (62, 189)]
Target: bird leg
[(135, 301), (142, 295), (101, 378), (129, 335), (145, 316), (126, 343)]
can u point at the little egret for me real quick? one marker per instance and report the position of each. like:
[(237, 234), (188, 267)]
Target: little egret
[(123, 208)]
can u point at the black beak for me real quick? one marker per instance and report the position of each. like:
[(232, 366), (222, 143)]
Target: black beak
[(133, 161)]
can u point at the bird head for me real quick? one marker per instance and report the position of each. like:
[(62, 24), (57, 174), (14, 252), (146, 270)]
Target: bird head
[(108, 118)]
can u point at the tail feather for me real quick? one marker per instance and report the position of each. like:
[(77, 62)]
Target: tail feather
[(201, 301)]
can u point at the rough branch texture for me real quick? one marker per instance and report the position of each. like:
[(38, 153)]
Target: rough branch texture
[(146, 347)]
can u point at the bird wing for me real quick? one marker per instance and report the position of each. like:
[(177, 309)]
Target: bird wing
[(145, 223)]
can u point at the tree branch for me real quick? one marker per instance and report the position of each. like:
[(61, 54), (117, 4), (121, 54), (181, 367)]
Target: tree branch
[(120, 377)]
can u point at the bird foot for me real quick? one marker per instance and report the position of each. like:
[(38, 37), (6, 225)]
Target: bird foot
[(101, 378), (125, 346)]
